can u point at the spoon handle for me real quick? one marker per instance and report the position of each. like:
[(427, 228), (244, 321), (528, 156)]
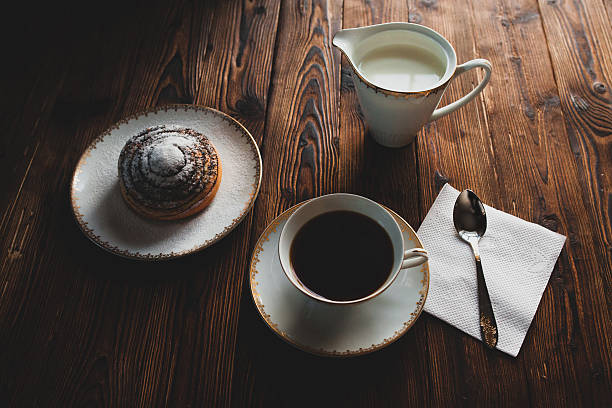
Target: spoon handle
[(488, 326)]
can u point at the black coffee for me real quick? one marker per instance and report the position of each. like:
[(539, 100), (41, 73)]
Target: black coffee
[(342, 255)]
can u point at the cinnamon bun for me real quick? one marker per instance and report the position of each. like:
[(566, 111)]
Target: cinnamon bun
[(168, 172)]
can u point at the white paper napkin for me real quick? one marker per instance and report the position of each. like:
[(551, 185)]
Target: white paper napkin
[(517, 259)]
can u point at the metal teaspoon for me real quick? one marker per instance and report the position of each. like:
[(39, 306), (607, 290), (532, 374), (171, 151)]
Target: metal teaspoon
[(471, 222)]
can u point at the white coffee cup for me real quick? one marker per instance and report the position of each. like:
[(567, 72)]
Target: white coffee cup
[(396, 112), (402, 259)]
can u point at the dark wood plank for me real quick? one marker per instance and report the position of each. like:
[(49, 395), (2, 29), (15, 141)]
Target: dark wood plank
[(29, 91), (389, 176), (540, 174), (93, 328), (532, 164), (583, 73), (300, 162), (231, 71), (301, 126), (458, 149)]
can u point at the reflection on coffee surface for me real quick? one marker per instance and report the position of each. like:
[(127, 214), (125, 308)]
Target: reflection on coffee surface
[(342, 255), (402, 68)]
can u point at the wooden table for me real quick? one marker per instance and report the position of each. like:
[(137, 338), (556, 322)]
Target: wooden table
[(81, 327)]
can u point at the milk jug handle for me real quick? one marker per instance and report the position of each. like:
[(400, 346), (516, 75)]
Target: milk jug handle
[(482, 63)]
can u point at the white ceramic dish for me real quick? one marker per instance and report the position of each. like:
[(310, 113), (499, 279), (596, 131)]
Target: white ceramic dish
[(106, 219), (334, 330)]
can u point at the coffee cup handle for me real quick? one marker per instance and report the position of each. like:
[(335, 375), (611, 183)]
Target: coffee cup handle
[(482, 63), (414, 257)]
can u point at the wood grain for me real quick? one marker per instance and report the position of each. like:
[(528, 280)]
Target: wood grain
[(81, 327), (608, 4), (458, 149), (524, 127), (389, 176), (300, 162), (152, 333), (546, 164), (583, 76)]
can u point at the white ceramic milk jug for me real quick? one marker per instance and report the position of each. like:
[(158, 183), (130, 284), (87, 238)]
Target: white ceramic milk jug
[(400, 72)]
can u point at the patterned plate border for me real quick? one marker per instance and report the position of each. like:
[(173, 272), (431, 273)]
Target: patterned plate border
[(414, 315), (90, 233)]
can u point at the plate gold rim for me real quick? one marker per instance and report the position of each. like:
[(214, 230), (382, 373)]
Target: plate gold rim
[(89, 232), (414, 315)]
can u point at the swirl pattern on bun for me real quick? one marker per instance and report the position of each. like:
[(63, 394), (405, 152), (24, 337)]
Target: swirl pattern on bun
[(168, 172)]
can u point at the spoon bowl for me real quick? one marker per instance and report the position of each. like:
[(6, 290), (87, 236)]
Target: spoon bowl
[(469, 215)]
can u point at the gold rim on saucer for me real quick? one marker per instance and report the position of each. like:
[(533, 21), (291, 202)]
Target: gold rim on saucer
[(90, 233), (265, 236)]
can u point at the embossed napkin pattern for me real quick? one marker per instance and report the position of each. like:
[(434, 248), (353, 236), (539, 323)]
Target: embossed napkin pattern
[(517, 258)]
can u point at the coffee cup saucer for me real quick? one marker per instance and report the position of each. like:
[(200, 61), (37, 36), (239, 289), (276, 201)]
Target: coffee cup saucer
[(334, 330)]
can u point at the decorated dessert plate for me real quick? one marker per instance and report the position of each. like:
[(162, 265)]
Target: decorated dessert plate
[(335, 330), (106, 219)]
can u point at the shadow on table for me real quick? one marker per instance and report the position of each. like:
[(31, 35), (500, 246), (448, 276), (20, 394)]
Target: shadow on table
[(102, 264), (292, 377)]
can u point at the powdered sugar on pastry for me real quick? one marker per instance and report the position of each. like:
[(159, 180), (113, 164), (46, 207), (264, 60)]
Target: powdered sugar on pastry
[(166, 171)]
